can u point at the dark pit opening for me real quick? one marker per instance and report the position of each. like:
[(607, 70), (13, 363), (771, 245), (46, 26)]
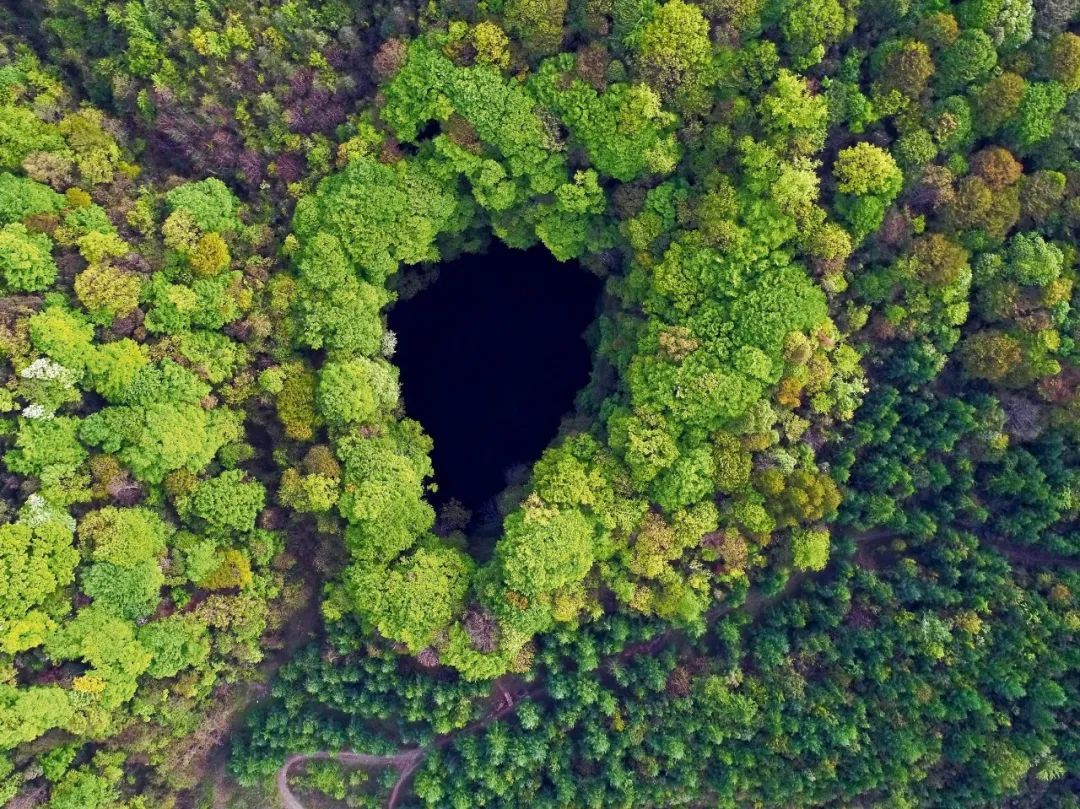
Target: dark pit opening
[(491, 357)]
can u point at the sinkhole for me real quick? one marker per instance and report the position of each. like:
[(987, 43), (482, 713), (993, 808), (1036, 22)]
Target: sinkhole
[(491, 355)]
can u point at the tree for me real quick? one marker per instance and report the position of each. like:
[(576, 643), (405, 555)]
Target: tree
[(904, 67), (35, 564), (26, 262), (966, 60), (808, 30), (47, 448), (209, 256), (544, 549), (687, 481), (868, 180), (81, 789), (1065, 61), (158, 438), (810, 547), (22, 133), (175, 643), (209, 202), (997, 167), (1035, 116), (27, 713), (624, 129), (123, 536), (21, 197), (107, 292), (538, 24), (382, 499), (356, 390), (865, 169), (380, 215), (1031, 260), (673, 51), (228, 502), (416, 597), (939, 262), (129, 592), (794, 118), (313, 493), (995, 102), (991, 355), (231, 569), (804, 497)]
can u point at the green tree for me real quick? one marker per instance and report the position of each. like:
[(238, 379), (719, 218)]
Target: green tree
[(1065, 61), (810, 547), (35, 564), (21, 197), (793, 117), (673, 51), (544, 549), (26, 262), (868, 180), (380, 215), (123, 536), (865, 169), (129, 592), (356, 390), (382, 499), (229, 502), (211, 204), (158, 438), (537, 24), (965, 61), (416, 597), (174, 643)]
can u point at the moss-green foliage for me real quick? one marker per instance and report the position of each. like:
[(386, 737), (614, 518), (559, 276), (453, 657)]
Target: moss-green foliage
[(113, 440), (21, 197), (210, 204), (624, 129), (836, 352), (26, 263), (734, 295), (381, 215)]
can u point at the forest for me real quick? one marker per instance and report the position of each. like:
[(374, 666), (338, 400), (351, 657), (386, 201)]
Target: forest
[(808, 535)]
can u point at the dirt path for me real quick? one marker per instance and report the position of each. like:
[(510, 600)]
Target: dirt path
[(1033, 557), (405, 761), (1018, 554)]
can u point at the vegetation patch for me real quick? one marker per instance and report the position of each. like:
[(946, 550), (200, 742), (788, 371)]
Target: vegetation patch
[(808, 539)]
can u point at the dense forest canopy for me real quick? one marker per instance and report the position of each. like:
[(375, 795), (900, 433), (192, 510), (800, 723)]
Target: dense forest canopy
[(809, 537)]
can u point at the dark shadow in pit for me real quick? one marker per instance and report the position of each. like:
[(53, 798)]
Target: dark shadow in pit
[(491, 356)]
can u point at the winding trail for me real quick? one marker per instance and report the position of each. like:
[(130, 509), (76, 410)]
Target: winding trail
[(1033, 557), (404, 761), (1017, 554), (407, 761)]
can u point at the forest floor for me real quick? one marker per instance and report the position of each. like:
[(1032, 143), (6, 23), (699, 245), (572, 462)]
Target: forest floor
[(238, 699), (504, 701)]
